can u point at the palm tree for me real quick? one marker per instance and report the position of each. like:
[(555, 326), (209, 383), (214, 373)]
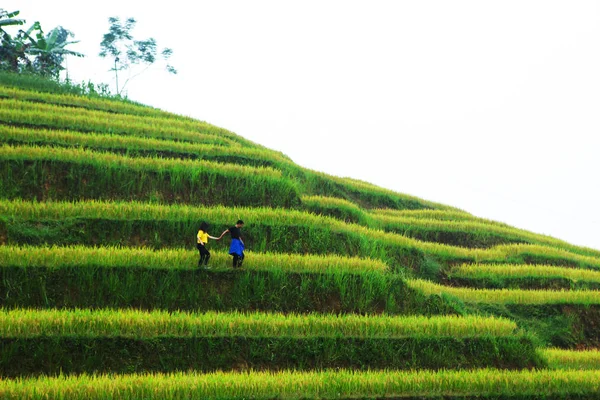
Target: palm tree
[(7, 19), (11, 50), (49, 50)]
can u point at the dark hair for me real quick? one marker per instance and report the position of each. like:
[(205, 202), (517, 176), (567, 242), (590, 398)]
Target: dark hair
[(203, 226), (240, 222)]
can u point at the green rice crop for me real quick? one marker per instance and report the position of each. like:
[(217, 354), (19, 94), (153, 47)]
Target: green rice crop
[(81, 256), (362, 193), (335, 207), (572, 359), (441, 215), (127, 211), (508, 296), (433, 220), (72, 174), (535, 254), (141, 324), (270, 216), (474, 227), (329, 202), (412, 222), (83, 156), (93, 103), (527, 384), (34, 82), (23, 100), (50, 116), (367, 186), (485, 271), (34, 136)]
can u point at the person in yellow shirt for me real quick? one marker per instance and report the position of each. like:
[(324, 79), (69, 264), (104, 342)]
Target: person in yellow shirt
[(202, 241)]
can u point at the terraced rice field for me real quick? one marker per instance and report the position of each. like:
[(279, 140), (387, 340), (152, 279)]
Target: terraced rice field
[(348, 290)]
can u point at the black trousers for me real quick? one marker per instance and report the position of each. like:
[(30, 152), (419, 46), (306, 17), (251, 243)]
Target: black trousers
[(204, 254), (238, 260)]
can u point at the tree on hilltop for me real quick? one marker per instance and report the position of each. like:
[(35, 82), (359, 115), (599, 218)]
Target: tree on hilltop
[(120, 45)]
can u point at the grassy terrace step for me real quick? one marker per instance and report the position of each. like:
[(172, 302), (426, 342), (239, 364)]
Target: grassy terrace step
[(486, 383), (458, 218), (524, 276), (39, 83), (362, 193), (139, 146), (93, 103), (441, 215), (27, 323), (442, 226), (72, 174), (573, 360), (169, 279), (509, 296), (123, 257), (41, 102), (53, 341), (336, 208), (566, 319), (14, 112), (537, 254), (132, 145), (115, 223), (475, 234), (157, 225), (457, 233)]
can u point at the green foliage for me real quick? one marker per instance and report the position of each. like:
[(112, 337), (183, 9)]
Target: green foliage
[(8, 19), (12, 51), (32, 51)]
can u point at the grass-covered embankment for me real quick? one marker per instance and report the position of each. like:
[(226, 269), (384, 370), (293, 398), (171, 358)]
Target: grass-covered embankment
[(143, 147), (571, 360), (267, 229), (50, 341), (42, 173), (23, 113), (523, 276), (509, 296), (170, 279)]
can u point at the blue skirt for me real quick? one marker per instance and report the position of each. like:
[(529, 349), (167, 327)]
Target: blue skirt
[(237, 247)]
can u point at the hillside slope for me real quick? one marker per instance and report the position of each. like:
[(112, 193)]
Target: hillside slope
[(348, 290)]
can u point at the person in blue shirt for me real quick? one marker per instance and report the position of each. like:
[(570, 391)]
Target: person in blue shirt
[(236, 249)]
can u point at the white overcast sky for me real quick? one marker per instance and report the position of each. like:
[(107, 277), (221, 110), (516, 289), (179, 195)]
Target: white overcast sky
[(489, 106)]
